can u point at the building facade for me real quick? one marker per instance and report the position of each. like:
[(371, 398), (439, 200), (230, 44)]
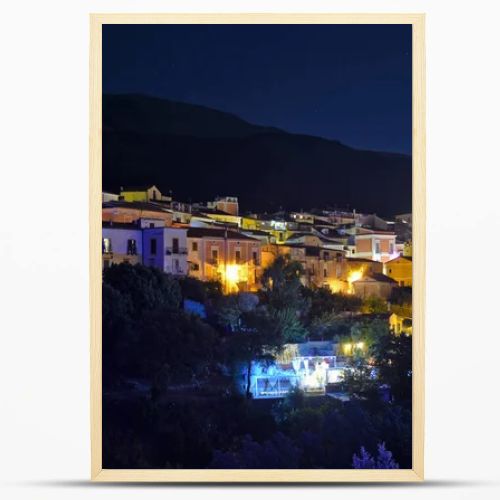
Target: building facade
[(375, 245), (400, 270), (223, 255), (121, 243), (166, 249)]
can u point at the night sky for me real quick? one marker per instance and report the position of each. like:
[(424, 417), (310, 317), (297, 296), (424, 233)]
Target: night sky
[(346, 82)]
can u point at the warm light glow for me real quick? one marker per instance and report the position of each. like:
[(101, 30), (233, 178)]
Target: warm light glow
[(360, 345), (347, 348), (232, 275), (354, 275)]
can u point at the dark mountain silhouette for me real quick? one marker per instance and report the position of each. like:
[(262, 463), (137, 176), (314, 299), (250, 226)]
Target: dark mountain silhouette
[(200, 153)]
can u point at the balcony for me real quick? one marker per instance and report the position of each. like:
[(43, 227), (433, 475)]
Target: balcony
[(176, 251)]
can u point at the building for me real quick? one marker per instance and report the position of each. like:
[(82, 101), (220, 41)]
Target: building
[(166, 249), (121, 243), (142, 193), (375, 244), (130, 212), (309, 366), (224, 255), (401, 324), (227, 204), (221, 216), (106, 196), (373, 285), (400, 270)]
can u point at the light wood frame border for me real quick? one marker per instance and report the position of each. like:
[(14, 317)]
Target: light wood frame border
[(95, 178)]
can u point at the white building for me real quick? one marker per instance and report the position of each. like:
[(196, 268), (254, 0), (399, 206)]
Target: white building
[(121, 243), (166, 249)]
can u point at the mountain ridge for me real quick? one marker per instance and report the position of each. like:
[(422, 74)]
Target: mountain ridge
[(199, 153)]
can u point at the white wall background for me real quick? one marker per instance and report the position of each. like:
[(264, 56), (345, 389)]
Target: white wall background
[(44, 363)]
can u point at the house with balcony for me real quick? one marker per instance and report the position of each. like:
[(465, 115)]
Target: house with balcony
[(121, 243), (166, 248), (228, 256)]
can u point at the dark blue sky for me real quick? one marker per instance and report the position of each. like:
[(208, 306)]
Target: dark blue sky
[(346, 82)]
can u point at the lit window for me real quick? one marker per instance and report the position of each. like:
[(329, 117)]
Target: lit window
[(106, 245)]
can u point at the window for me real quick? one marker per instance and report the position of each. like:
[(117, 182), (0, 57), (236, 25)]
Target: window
[(176, 265), (391, 247), (255, 258), (131, 247), (238, 256), (106, 245), (152, 246), (377, 246), (175, 245), (194, 246), (325, 273), (195, 267), (215, 256), (151, 224)]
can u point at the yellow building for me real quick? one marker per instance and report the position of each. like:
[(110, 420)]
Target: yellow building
[(400, 324), (400, 270), (141, 193), (223, 217)]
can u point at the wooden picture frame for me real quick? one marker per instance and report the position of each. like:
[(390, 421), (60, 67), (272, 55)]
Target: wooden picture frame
[(268, 475)]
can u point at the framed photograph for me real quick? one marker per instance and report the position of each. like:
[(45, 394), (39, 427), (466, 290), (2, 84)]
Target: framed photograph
[(257, 247)]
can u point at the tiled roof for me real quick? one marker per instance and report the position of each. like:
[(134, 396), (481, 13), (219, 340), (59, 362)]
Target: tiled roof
[(137, 205), (207, 232)]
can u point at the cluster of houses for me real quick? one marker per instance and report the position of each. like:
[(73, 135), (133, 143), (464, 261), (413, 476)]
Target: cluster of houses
[(346, 251)]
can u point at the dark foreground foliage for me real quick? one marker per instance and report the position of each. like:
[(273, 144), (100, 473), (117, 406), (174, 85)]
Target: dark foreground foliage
[(169, 399)]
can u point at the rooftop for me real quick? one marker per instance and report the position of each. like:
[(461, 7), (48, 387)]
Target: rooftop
[(137, 205), (207, 232)]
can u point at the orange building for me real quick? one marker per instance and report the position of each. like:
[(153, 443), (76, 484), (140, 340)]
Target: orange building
[(223, 255), (375, 245), (400, 269)]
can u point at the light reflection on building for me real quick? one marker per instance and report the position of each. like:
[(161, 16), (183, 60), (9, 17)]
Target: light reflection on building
[(309, 366)]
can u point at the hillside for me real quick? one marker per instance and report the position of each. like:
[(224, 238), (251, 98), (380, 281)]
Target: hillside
[(199, 153)]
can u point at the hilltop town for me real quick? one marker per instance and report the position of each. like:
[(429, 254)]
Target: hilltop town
[(346, 251)]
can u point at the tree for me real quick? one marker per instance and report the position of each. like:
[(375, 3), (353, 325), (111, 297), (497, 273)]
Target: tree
[(283, 297), (175, 347), (278, 452), (384, 459), (374, 305), (358, 378), (147, 288), (393, 359), (281, 285), (117, 332)]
